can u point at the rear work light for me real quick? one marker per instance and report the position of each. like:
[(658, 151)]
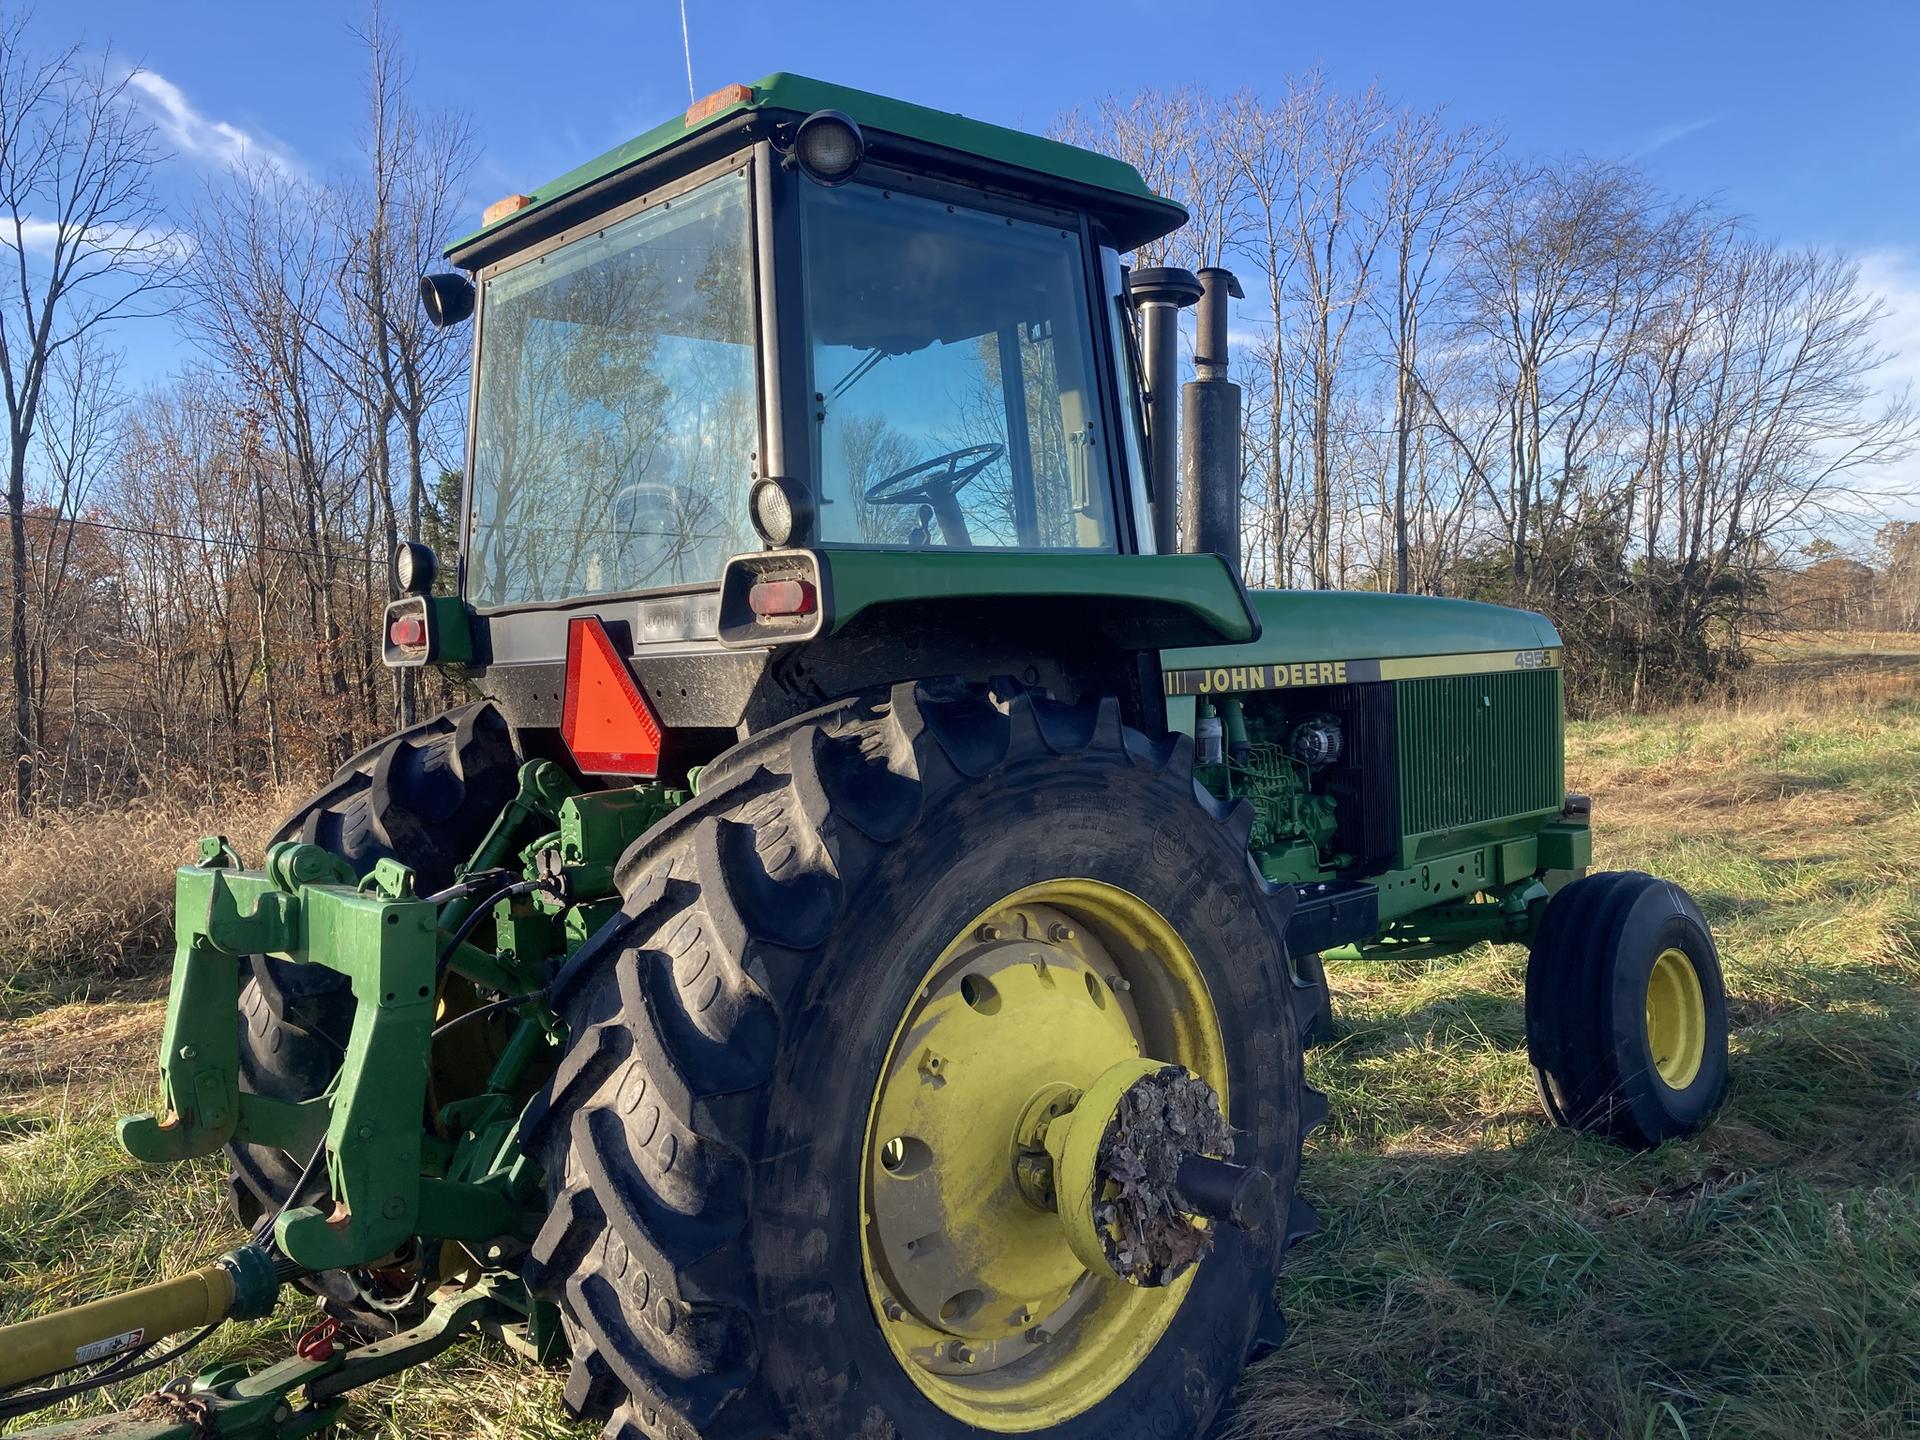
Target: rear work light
[(780, 599), (606, 723)]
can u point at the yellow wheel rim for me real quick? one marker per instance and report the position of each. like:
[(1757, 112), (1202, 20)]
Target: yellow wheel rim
[(977, 1289), (1676, 1019)]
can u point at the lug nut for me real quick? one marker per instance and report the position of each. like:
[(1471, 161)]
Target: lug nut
[(1059, 934), (988, 933), (1033, 1173)]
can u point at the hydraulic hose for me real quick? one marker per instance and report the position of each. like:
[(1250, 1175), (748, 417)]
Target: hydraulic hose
[(479, 913)]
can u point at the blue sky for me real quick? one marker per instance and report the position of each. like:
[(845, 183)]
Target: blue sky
[(1802, 117)]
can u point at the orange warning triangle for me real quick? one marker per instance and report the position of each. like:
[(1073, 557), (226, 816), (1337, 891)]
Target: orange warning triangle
[(606, 722)]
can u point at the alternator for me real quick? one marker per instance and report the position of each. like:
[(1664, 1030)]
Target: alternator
[(1316, 741)]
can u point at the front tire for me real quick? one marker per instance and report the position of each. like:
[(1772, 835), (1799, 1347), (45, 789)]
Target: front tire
[(708, 1138), (1627, 1010)]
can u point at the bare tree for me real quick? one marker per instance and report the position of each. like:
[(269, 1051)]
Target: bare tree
[(77, 434), (1434, 175), (390, 221), (1255, 140), (1174, 138), (90, 246), (1333, 144), (262, 282), (1768, 417), (1562, 268)]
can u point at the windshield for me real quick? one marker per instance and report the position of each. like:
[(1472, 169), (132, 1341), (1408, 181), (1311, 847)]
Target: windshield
[(954, 377), (617, 413)]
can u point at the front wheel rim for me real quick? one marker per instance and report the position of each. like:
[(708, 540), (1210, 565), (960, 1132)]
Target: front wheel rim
[(1676, 1019), (977, 1290)]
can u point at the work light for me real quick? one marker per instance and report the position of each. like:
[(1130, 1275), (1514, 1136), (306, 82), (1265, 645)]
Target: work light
[(414, 565), (447, 297), (781, 509), (829, 147)]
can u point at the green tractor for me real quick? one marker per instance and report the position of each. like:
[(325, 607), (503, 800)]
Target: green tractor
[(848, 976)]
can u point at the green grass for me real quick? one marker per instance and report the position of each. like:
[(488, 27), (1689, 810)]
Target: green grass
[(81, 1221), (1478, 1273), (1482, 1274)]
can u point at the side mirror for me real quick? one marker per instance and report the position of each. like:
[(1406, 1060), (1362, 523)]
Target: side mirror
[(447, 297), (413, 569)]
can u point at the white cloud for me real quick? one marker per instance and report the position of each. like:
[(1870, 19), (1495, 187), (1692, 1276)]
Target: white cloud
[(37, 238), (1894, 277), (201, 136), (1667, 135)]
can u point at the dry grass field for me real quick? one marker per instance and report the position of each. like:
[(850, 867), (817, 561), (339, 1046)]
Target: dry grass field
[(1478, 1275)]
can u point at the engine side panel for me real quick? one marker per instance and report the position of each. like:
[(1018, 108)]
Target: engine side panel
[(1433, 776)]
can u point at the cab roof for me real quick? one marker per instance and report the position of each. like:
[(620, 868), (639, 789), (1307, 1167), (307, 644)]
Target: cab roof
[(1110, 189)]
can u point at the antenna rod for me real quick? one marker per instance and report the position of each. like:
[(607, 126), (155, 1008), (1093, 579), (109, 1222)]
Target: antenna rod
[(686, 44)]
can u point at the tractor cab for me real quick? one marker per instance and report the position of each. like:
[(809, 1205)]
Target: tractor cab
[(859, 336), (909, 325)]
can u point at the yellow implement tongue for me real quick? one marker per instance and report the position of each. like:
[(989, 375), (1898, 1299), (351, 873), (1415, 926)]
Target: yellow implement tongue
[(102, 1329)]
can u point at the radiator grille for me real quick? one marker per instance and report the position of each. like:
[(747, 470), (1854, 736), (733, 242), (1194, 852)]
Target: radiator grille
[(1478, 747)]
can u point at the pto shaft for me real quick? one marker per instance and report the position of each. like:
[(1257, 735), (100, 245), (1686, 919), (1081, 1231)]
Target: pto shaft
[(241, 1284)]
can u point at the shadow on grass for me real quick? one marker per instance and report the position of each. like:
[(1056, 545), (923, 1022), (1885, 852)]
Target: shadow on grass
[(1556, 1287), (1502, 1278), (31, 993)]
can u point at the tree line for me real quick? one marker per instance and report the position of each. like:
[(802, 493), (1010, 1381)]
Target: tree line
[(197, 571), (1469, 372), (1537, 380)]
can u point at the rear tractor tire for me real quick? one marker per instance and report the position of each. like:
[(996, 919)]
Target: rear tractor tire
[(427, 797), (1627, 1010), (889, 945)]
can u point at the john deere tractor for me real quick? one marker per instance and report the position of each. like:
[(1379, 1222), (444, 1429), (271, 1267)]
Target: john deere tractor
[(846, 972)]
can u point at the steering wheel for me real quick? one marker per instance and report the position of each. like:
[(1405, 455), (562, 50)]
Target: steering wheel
[(961, 466)]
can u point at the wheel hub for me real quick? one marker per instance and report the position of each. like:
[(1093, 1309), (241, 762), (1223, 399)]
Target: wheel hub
[(1118, 1159), (994, 1043), (992, 1199)]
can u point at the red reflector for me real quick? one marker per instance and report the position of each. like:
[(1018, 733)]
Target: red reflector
[(605, 721), (409, 632), (771, 599)]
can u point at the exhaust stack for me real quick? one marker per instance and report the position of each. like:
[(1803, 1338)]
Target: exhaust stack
[(1210, 420), (1159, 295)]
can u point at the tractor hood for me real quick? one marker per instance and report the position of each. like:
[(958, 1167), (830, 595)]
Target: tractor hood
[(1370, 636)]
